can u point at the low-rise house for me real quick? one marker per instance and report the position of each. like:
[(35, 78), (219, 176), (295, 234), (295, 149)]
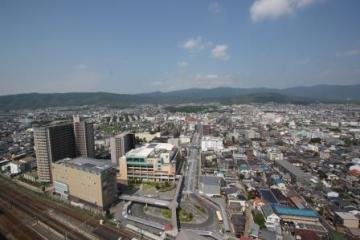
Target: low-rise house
[(346, 219), (236, 201), (272, 220), (22, 165)]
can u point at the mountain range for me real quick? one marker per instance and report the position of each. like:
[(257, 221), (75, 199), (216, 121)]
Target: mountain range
[(225, 95)]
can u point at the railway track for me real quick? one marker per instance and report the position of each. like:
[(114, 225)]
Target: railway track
[(37, 207), (33, 210), (13, 226)]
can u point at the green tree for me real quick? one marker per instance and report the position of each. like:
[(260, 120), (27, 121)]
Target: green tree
[(259, 219)]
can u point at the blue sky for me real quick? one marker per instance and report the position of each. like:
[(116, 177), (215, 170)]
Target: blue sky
[(142, 46)]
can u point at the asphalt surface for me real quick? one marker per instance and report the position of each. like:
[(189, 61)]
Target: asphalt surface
[(191, 178), (210, 224), (137, 210)]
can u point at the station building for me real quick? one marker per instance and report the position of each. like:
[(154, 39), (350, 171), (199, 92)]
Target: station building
[(151, 162)]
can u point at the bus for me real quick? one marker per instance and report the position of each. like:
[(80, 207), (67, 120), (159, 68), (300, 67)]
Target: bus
[(219, 217)]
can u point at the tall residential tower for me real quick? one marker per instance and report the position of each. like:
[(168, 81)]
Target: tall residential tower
[(52, 143), (120, 145), (84, 137)]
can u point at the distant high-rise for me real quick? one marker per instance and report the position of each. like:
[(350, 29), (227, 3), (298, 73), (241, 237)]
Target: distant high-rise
[(84, 137), (120, 145), (52, 143)]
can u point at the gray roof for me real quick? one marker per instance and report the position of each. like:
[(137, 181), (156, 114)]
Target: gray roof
[(291, 168), (187, 235), (267, 210), (122, 134), (268, 235), (87, 164), (210, 180)]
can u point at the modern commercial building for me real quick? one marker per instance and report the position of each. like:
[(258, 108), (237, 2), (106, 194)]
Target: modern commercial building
[(52, 143), (152, 162), (84, 137), (120, 145), (212, 143), (295, 214), (86, 180)]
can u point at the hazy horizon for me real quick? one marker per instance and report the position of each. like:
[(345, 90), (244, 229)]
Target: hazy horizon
[(181, 89), (133, 47)]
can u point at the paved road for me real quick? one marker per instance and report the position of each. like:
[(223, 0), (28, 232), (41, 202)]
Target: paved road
[(210, 224), (162, 203), (148, 200), (191, 175), (207, 234), (191, 179)]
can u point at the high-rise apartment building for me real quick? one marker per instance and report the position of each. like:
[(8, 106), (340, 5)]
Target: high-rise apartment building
[(52, 143), (120, 145), (84, 137)]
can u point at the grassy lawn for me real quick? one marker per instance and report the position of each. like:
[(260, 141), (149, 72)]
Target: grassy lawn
[(166, 213), (165, 186), (161, 187), (134, 184), (200, 208), (185, 216), (148, 186), (35, 184), (111, 129), (338, 236)]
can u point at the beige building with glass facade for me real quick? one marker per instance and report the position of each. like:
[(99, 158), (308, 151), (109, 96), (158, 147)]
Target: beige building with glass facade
[(151, 162)]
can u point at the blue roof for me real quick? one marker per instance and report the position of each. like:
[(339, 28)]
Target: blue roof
[(268, 196), (264, 167), (277, 180), (295, 212)]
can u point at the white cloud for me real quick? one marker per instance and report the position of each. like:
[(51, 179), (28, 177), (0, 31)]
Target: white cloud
[(353, 52), (184, 80), (214, 8), (195, 44), (305, 61), (206, 77), (220, 52), (211, 80), (82, 66), (157, 83), (272, 9), (349, 53), (183, 64)]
